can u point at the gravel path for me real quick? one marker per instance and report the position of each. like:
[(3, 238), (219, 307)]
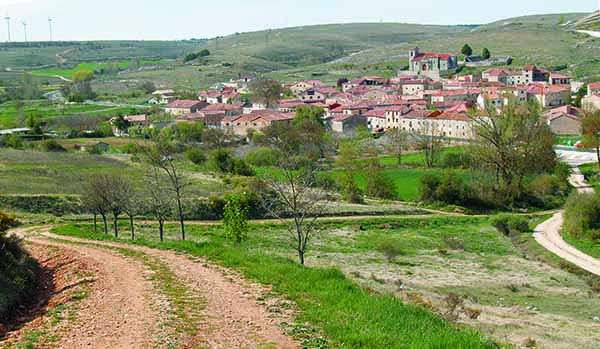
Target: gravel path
[(117, 313), (236, 314), (548, 235)]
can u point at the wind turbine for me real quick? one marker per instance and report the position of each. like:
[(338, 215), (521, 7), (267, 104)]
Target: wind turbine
[(50, 27), (7, 19), (24, 30)]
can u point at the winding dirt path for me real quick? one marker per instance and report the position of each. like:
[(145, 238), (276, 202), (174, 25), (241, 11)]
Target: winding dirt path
[(548, 234), (118, 312), (117, 315)]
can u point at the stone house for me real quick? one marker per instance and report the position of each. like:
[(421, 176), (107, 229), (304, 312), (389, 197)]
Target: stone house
[(565, 120), (346, 123), (257, 120), (183, 106), (549, 96), (430, 64), (591, 103)]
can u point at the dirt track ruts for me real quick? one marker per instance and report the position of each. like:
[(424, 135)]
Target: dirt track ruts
[(118, 316)]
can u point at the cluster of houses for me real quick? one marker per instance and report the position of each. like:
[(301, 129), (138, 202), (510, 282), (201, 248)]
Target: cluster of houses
[(427, 96)]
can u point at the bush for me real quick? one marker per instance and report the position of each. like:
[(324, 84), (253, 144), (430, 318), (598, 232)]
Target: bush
[(456, 160), (17, 272), (582, 215), (351, 192), (196, 156), (223, 161), (390, 248), (450, 189), (380, 185), (263, 156), (52, 146), (510, 225)]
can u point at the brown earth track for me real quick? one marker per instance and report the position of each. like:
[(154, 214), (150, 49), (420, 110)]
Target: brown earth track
[(118, 312)]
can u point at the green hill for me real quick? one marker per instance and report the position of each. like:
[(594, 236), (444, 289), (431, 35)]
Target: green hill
[(326, 52)]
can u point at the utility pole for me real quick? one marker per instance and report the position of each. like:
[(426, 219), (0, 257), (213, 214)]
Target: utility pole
[(24, 30), (50, 27), (7, 19)]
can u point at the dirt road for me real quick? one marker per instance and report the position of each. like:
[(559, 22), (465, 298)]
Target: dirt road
[(124, 306), (548, 234)]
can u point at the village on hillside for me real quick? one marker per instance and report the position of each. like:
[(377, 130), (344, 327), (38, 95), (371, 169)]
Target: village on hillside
[(429, 96)]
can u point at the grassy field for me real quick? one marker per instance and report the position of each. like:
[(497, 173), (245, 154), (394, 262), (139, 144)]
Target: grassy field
[(349, 316), (28, 172), (404, 261), (12, 116)]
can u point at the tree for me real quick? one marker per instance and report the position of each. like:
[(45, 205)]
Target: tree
[(340, 82), (512, 145), (293, 195), (235, 219), (486, 54), (266, 91), (467, 50), (581, 93), (161, 156), (349, 160), (101, 195), (80, 88), (159, 202), (429, 140), (398, 142), (590, 129)]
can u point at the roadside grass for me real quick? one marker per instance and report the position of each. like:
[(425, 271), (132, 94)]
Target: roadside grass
[(592, 175), (590, 247), (430, 257), (348, 315)]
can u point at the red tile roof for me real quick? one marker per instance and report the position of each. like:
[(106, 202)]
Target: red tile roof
[(184, 103), (428, 55)]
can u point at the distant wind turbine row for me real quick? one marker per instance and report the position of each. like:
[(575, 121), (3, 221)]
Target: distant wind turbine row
[(24, 23)]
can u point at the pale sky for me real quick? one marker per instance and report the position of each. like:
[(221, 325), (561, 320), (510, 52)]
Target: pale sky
[(184, 19)]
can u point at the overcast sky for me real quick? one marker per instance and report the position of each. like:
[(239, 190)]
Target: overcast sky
[(183, 19)]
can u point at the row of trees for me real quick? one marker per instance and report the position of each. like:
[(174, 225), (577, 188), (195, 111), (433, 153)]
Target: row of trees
[(468, 51)]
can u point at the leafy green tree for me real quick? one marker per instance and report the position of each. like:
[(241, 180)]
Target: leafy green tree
[(581, 93), (467, 50), (486, 54), (590, 128), (266, 91), (512, 145), (235, 219)]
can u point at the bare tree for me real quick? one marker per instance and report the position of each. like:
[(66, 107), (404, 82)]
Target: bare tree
[(430, 142), (161, 155), (159, 203), (294, 197), (398, 143), (96, 199)]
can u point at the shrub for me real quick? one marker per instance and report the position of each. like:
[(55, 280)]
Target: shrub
[(223, 161), (51, 145), (582, 215), (390, 248), (380, 185), (235, 219), (263, 156), (510, 225), (456, 160), (196, 156), (429, 185), (350, 191), (450, 189)]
